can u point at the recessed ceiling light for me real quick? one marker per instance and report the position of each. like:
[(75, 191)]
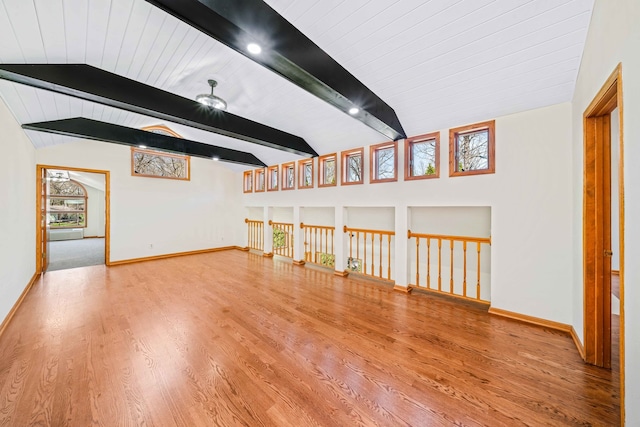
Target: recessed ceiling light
[(254, 48), (142, 146), (353, 111), (216, 158)]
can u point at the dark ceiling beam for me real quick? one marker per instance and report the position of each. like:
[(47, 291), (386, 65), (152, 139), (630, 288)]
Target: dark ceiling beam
[(286, 51), (96, 85), (81, 127)]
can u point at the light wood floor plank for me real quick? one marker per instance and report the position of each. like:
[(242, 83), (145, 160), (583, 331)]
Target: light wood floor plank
[(231, 338)]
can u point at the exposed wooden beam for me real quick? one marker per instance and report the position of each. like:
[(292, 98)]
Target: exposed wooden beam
[(288, 52), (81, 127), (96, 85)]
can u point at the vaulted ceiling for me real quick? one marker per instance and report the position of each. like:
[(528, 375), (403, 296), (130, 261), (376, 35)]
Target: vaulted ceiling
[(437, 63)]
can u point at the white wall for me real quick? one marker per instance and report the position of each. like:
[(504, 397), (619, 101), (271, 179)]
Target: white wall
[(614, 37), (530, 201), (95, 213), (17, 216), (153, 216)]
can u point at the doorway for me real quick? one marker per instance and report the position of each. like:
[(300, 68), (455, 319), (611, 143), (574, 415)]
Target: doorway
[(598, 249), (72, 228)]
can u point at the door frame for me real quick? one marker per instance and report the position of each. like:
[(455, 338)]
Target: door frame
[(107, 201), (597, 227)]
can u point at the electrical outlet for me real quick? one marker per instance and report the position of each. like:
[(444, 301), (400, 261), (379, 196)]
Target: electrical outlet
[(150, 245)]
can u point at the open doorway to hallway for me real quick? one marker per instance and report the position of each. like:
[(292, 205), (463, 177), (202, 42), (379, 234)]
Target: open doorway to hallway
[(76, 215), (73, 218)]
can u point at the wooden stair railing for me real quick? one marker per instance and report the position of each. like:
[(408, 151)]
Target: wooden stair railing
[(282, 238), (378, 243), (437, 246), (255, 234), (318, 244)]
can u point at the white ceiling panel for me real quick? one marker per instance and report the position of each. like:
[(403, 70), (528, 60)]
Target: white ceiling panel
[(438, 63)]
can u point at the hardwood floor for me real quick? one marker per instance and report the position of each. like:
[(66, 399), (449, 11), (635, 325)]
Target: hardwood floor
[(232, 338)]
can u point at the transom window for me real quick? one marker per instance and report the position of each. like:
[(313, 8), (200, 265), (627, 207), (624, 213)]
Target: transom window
[(327, 170), (272, 178), (259, 187), (67, 204), (156, 164), (472, 149), (384, 162), (305, 173), (352, 166), (422, 156), (288, 176), (248, 181)]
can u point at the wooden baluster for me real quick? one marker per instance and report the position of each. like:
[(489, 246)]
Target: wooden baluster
[(350, 245), (326, 244), (439, 264), (389, 257), (373, 253), (290, 240), (315, 244), (381, 255), (417, 261), (364, 257), (332, 241), (464, 274), (478, 283), (451, 269), (428, 263)]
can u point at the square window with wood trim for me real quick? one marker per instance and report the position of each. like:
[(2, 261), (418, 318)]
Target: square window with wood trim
[(472, 149), (422, 156), (259, 185), (352, 161), (289, 176), (272, 178), (158, 164), (305, 173), (384, 162), (327, 170), (247, 182)]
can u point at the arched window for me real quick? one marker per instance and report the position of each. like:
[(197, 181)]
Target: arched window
[(67, 204)]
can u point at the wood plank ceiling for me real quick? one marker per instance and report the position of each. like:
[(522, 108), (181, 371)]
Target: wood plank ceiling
[(438, 63)]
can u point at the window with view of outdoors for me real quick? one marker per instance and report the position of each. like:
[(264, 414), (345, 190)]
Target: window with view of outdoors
[(259, 180), (422, 156), (248, 181), (157, 164), (352, 166), (327, 170), (472, 149), (272, 178), (305, 173), (288, 176), (67, 204), (384, 162)]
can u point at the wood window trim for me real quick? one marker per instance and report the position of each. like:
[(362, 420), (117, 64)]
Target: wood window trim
[(187, 159), (163, 130), (283, 178), (256, 188), (408, 159), (301, 165), (244, 181), (344, 163), (491, 163), (372, 166), (321, 162), (268, 176), (86, 206)]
